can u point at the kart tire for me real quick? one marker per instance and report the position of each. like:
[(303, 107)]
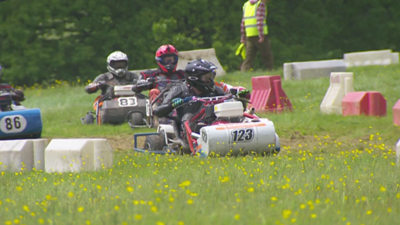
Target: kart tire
[(136, 118), (154, 142), (89, 119)]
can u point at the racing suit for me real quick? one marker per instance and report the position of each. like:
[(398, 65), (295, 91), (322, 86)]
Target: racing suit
[(109, 78), (106, 81), (156, 88), (187, 111)]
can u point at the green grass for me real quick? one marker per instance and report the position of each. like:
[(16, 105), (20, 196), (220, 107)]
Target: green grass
[(332, 169)]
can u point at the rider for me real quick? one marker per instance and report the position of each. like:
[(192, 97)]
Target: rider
[(199, 76), (118, 74), (167, 60), (16, 95)]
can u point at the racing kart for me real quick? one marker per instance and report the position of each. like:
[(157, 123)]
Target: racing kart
[(16, 121), (119, 105), (224, 129), (166, 85)]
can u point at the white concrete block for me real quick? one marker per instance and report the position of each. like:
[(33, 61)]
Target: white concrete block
[(367, 58), (75, 155), (39, 145), (207, 54), (398, 152), (395, 58), (312, 69), (288, 71), (142, 70), (341, 83), (24, 153)]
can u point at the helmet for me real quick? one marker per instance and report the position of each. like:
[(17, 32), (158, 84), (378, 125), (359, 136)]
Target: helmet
[(167, 58), (117, 63), (200, 74)]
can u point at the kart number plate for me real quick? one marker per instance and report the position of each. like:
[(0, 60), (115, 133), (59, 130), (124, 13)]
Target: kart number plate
[(242, 135), (148, 107), (127, 102), (13, 124)]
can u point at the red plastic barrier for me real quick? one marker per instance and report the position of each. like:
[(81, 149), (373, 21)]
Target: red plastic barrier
[(268, 95), (396, 113), (369, 103)]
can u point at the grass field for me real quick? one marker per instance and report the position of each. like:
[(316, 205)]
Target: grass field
[(331, 170)]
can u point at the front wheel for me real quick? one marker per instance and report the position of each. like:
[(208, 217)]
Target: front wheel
[(89, 119), (136, 118), (154, 142)]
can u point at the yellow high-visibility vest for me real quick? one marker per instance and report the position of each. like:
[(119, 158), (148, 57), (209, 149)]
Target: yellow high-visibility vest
[(250, 19)]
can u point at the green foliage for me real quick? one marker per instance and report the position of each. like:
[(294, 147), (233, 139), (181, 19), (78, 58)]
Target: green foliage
[(47, 40)]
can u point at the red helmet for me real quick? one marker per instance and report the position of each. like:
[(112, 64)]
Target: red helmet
[(167, 58)]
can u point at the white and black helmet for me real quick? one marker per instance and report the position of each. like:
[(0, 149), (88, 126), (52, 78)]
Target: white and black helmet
[(117, 63)]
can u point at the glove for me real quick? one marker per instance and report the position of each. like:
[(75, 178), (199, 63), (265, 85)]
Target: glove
[(136, 89), (177, 102), (151, 79), (243, 93)]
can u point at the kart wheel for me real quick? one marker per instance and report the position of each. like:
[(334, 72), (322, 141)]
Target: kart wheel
[(89, 119), (136, 118), (154, 142)]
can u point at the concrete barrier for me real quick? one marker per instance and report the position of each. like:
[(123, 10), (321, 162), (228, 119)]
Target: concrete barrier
[(75, 155), (187, 56), (23, 154), (398, 151), (207, 54), (396, 113), (312, 69), (369, 103), (368, 58), (395, 58), (340, 85)]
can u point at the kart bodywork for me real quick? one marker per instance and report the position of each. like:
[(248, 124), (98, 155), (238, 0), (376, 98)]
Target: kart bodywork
[(232, 132), (18, 122), (122, 106)]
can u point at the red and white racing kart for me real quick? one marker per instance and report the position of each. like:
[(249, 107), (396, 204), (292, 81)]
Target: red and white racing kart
[(223, 129)]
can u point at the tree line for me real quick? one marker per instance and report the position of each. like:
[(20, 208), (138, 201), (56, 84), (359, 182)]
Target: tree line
[(48, 40)]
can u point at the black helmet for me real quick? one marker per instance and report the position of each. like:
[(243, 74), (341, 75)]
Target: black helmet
[(200, 74)]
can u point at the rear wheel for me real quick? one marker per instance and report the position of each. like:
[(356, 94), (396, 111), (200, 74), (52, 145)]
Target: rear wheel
[(154, 142), (136, 118)]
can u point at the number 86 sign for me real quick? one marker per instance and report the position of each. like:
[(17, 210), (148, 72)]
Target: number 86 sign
[(21, 123), (13, 124)]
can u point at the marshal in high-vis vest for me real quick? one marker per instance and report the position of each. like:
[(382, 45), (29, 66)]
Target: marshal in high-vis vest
[(254, 31)]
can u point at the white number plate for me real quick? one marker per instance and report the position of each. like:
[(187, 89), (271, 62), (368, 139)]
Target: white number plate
[(129, 101), (12, 124)]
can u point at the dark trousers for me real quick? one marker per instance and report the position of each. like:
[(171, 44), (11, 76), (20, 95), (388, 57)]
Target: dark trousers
[(252, 46)]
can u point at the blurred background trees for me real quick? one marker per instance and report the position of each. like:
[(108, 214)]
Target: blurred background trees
[(47, 40)]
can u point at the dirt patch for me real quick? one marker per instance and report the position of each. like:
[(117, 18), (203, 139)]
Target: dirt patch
[(124, 142)]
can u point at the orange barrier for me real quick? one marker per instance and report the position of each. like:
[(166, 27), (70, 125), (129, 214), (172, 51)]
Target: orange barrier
[(396, 113), (268, 95)]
